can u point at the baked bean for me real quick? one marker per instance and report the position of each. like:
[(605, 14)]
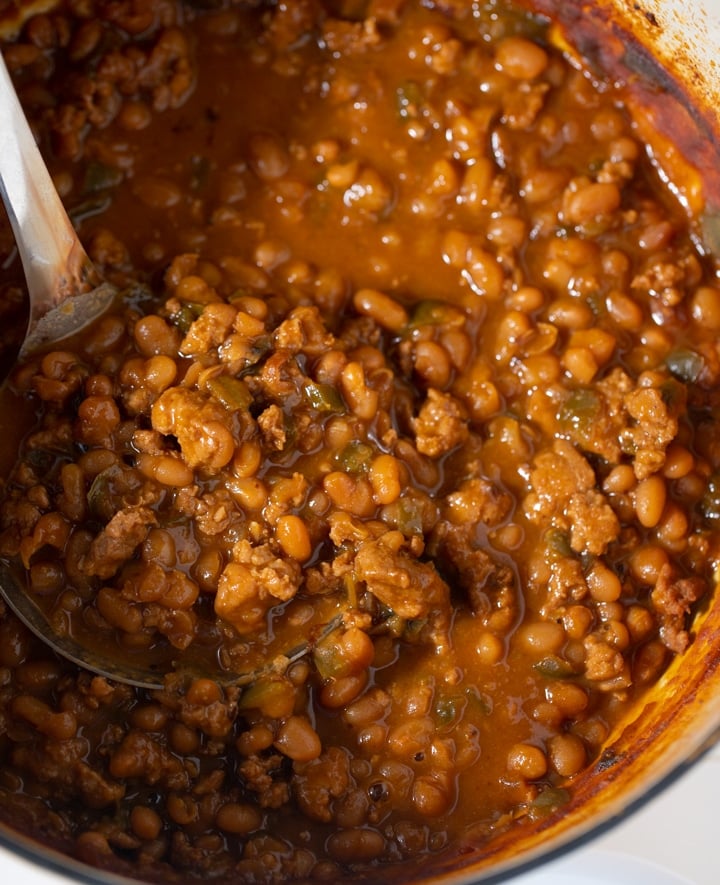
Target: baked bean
[(168, 470), (338, 693), (57, 726), (294, 538), (150, 717), (387, 312), (256, 739), (182, 809), (705, 307), (603, 583), (431, 796), (590, 201), (385, 476), (146, 823), (650, 498), (566, 753), (355, 845), (568, 697), (349, 493), (526, 761), (269, 158), (297, 739), (647, 562), (520, 58), (542, 637), (154, 336), (238, 818), (183, 739)]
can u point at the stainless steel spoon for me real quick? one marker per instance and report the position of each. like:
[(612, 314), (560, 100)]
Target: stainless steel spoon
[(65, 290)]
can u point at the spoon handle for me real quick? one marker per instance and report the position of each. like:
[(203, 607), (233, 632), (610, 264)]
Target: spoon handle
[(55, 263)]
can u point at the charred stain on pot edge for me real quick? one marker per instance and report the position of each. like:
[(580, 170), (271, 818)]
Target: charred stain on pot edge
[(607, 760), (606, 45), (650, 16)]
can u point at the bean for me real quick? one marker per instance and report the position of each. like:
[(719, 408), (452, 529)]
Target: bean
[(490, 648), (526, 761), (542, 637), (249, 492), (134, 116), (338, 693), (145, 822), (368, 192), (679, 461), (168, 470), (208, 568), (647, 562), (292, 535), (149, 717), (431, 797), (203, 692), (650, 498), (520, 58), (183, 739), (57, 726), (386, 311), (567, 754), (182, 809), (624, 310), (432, 364), (385, 476), (257, 738), (567, 697), (484, 274), (367, 709), (360, 398), (297, 739), (591, 201), (119, 612), (153, 336), (238, 818), (603, 583), (355, 845), (157, 192), (705, 307), (348, 493)]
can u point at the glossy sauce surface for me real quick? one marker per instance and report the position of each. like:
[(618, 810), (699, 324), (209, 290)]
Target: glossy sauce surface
[(422, 351)]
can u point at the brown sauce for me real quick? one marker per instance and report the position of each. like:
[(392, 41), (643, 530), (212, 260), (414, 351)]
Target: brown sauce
[(423, 351)]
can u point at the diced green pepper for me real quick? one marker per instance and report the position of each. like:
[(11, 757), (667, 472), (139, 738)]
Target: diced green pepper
[(233, 393), (557, 543), (549, 800), (99, 177), (685, 364), (274, 696), (409, 100), (554, 667), (356, 457), (580, 409), (324, 397), (436, 313)]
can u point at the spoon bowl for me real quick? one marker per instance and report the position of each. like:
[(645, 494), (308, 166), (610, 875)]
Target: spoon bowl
[(65, 290)]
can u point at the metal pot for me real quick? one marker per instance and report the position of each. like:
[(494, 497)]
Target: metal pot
[(664, 51)]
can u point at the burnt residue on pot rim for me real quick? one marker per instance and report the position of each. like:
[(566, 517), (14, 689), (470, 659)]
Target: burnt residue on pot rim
[(672, 89)]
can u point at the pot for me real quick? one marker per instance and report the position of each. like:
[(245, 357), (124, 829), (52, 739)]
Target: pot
[(665, 53)]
